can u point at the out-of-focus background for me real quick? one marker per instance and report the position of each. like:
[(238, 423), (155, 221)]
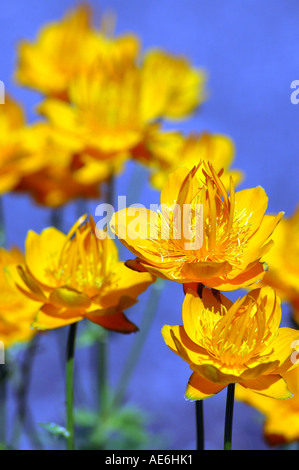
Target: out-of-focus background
[(250, 52)]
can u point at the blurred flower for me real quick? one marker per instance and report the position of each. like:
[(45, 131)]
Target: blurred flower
[(17, 311), (78, 276), (171, 87), (102, 98), (59, 175), (67, 49), (241, 342), (281, 424), (218, 242), (164, 152), (108, 115), (13, 163), (283, 262)]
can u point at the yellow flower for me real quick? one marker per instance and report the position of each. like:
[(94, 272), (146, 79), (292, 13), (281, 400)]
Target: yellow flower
[(12, 163), (241, 342), (164, 152), (283, 262), (281, 424), (171, 87), (78, 276), (102, 118), (64, 175), (69, 48), (200, 234), (17, 311)]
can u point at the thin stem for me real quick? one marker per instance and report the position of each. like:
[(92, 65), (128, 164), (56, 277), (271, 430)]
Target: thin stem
[(229, 417), (70, 385), (200, 435)]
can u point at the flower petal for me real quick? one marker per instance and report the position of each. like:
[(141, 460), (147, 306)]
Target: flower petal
[(117, 322), (273, 386), (199, 388)]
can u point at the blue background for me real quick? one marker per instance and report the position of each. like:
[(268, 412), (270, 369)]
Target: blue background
[(250, 50)]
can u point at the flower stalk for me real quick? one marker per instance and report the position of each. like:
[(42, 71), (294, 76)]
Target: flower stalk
[(200, 438), (228, 427), (70, 386)]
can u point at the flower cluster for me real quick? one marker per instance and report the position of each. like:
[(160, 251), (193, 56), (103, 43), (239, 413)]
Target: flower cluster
[(103, 102)]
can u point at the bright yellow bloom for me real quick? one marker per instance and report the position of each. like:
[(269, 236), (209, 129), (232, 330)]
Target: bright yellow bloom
[(241, 342), (283, 262), (67, 49), (219, 242), (281, 424), (17, 311), (78, 276), (164, 152)]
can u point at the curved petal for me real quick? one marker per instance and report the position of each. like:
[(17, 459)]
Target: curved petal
[(137, 228), (273, 386), (69, 298), (117, 322), (47, 322), (252, 204), (126, 282), (42, 254), (199, 388)]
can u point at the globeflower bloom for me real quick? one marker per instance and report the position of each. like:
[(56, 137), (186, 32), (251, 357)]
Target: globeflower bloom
[(17, 311), (13, 163), (283, 262), (63, 175), (78, 276), (171, 86), (200, 234), (241, 342), (281, 425), (70, 48)]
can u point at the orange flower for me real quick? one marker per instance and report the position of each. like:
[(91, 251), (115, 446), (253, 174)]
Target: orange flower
[(225, 342), (219, 243), (78, 276)]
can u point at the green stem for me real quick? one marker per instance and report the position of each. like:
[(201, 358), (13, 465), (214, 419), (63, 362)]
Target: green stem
[(229, 417), (70, 385), (200, 436)]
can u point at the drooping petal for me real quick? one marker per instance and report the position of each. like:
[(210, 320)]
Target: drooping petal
[(117, 322), (199, 388)]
